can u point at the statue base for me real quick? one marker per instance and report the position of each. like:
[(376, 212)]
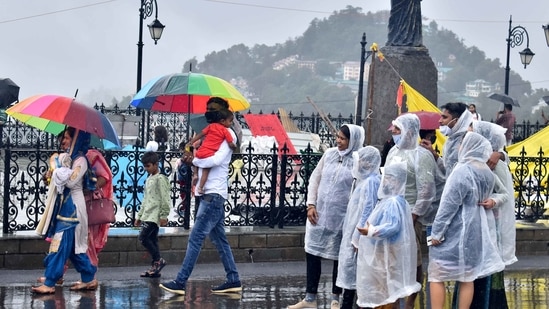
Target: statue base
[(415, 66)]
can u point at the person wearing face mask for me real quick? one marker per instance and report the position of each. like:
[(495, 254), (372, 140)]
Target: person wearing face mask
[(327, 200), (386, 248), (420, 187), (366, 162), (455, 118)]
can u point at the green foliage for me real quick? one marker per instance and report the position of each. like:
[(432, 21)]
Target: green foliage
[(337, 39)]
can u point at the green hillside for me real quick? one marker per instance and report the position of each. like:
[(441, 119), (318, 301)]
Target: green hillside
[(331, 41)]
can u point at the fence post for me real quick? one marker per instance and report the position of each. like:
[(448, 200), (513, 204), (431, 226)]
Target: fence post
[(6, 182), (283, 180)]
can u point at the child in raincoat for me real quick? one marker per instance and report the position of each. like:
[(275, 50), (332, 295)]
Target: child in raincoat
[(366, 163), (387, 249)]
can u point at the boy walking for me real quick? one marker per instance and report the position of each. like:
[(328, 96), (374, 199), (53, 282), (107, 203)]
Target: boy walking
[(154, 212)]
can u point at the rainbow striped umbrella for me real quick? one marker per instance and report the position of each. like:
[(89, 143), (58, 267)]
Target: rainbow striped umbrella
[(187, 93), (52, 113)]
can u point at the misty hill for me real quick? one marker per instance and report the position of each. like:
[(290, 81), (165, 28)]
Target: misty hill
[(332, 41)]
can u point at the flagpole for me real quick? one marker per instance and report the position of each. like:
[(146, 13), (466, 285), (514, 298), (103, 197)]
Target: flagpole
[(370, 98)]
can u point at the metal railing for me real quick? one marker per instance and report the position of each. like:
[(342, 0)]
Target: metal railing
[(264, 189)]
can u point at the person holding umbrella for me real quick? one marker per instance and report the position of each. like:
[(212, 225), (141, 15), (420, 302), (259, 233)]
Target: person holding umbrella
[(65, 221), (210, 219), (506, 119)]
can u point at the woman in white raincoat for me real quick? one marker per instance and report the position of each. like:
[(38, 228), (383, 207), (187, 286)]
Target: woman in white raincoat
[(365, 171), (490, 291), (462, 249), (328, 195), (387, 250), (502, 200)]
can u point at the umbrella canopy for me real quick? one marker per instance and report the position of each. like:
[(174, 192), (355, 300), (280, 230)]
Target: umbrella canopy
[(505, 99), (9, 92), (187, 93), (428, 120), (52, 113)]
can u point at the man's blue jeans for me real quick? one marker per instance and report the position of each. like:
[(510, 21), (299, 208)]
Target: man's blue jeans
[(209, 220)]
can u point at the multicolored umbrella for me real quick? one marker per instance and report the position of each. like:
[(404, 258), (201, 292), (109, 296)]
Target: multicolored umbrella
[(52, 113), (187, 93)]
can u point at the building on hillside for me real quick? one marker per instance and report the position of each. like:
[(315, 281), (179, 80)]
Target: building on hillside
[(351, 70), (475, 88)]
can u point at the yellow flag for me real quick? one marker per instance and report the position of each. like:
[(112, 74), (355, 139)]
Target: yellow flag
[(416, 102)]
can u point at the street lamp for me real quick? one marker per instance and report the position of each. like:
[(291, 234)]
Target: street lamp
[(546, 30), (155, 28), (516, 38), (363, 57)]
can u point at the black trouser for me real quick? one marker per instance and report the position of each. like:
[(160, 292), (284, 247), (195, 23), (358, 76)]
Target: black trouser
[(148, 236), (314, 268), (348, 300)]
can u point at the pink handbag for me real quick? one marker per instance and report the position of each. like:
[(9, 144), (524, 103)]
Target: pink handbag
[(100, 210)]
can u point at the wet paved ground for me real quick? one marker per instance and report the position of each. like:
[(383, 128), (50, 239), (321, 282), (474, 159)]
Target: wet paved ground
[(266, 285)]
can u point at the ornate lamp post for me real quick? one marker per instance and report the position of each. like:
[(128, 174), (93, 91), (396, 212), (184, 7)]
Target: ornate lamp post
[(516, 38), (155, 28), (363, 57)]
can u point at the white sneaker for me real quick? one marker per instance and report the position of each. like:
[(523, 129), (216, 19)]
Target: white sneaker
[(304, 304), (334, 305)]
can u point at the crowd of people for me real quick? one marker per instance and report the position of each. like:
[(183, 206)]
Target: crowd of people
[(365, 212), (370, 224)]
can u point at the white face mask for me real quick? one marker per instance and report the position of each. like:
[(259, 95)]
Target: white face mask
[(445, 130), (396, 138)]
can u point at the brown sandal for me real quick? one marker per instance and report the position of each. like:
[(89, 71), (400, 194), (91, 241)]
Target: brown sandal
[(81, 286), (43, 289), (60, 281)]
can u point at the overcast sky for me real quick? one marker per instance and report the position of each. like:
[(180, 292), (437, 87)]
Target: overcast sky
[(57, 46)]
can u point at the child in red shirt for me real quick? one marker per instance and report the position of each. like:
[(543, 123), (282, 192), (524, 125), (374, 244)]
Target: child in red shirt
[(214, 134)]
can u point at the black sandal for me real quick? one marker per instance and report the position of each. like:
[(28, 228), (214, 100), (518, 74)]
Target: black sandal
[(151, 273), (148, 274)]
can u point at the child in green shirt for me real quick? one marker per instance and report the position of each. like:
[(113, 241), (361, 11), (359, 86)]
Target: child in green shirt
[(154, 211)]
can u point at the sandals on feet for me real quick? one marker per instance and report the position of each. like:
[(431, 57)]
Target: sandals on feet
[(60, 281), (149, 274), (88, 286), (154, 272), (43, 289)]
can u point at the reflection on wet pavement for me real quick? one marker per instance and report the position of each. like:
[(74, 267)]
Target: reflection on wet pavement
[(525, 289)]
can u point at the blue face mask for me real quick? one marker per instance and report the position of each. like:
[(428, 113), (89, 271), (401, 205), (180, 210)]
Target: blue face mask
[(396, 138)]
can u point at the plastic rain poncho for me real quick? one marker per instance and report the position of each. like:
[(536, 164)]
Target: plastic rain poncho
[(366, 163), (329, 190), (503, 195), (467, 251), (451, 146), (420, 179), (386, 263)]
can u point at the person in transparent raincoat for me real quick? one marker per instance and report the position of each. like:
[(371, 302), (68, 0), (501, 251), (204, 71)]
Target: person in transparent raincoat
[(387, 249), (328, 195), (420, 190), (461, 247), (366, 163), (489, 291)]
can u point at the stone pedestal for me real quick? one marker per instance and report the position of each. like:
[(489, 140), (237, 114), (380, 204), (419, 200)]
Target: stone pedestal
[(416, 67)]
